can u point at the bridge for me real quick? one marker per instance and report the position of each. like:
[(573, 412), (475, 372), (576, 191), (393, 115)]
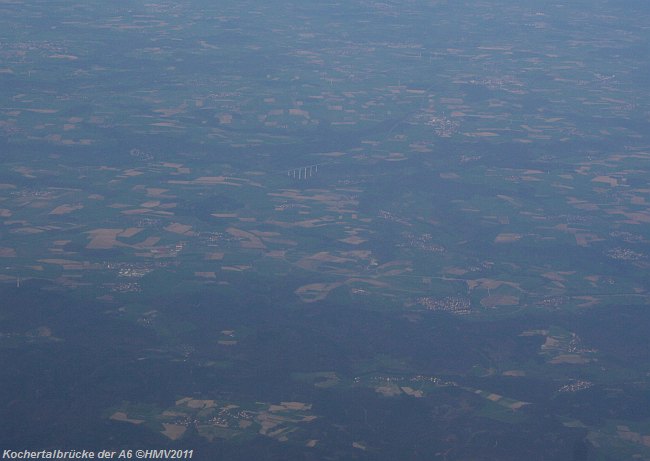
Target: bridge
[(303, 172)]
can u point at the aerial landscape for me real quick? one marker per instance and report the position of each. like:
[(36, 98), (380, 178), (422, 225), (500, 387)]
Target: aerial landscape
[(281, 230)]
